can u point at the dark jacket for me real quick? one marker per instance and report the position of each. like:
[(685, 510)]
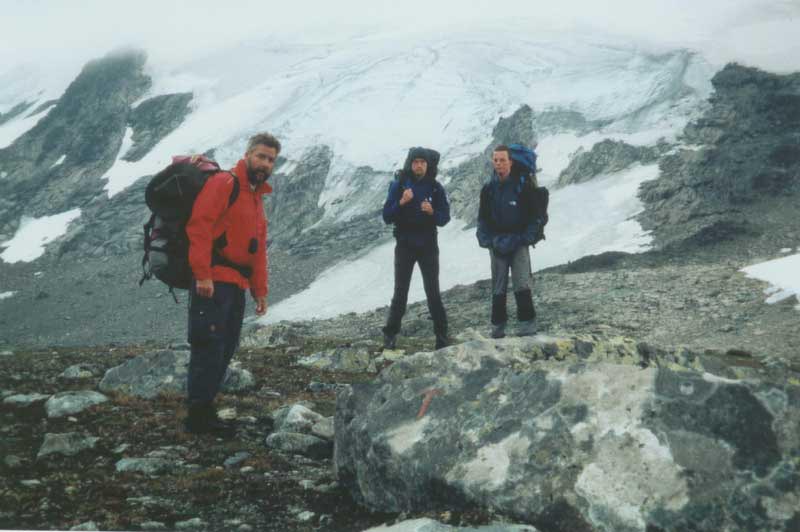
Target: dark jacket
[(411, 225), (507, 218)]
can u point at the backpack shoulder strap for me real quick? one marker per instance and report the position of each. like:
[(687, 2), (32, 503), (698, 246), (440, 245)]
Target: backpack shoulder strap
[(235, 191)]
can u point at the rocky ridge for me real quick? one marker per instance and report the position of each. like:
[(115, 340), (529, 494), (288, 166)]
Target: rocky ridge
[(605, 157), (740, 164)]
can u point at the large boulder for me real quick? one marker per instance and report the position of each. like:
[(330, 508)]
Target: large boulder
[(165, 371), (576, 435)]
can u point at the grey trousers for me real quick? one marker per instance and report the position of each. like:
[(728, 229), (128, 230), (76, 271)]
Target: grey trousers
[(520, 264)]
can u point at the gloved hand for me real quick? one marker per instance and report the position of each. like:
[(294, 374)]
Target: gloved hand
[(506, 244)]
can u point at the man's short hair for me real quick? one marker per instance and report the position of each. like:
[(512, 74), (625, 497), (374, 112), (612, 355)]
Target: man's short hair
[(264, 139), (503, 147)]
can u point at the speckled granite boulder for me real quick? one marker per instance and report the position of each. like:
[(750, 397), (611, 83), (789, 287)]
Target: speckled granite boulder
[(577, 436)]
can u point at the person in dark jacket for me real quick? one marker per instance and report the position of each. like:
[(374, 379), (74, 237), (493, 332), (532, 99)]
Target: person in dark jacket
[(228, 255), (416, 205), (507, 224)]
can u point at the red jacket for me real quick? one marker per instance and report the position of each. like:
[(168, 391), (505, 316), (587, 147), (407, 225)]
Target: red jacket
[(241, 222)]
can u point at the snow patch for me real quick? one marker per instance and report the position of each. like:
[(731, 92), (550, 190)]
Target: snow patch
[(59, 161), (13, 129), (782, 276), (6, 295), (34, 234)]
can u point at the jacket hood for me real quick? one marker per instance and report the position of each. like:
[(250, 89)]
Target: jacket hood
[(430, 156), (240, 171)]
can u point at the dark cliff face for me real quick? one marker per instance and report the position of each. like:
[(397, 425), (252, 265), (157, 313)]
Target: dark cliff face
[(747, 162), (154, 119), (83, 134), (85, 127)]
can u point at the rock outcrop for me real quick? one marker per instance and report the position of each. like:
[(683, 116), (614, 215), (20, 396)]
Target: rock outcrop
[(741, 161), (86, 127), (576, 435), (605, 157)]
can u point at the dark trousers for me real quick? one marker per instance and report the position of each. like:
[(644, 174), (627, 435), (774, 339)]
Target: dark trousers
[(214, 327), (405, 257)]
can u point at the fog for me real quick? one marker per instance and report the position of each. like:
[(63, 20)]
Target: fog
[(62, 34)]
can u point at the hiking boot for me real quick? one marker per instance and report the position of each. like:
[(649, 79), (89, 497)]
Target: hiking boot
[(442, 341), (499, 330), (526, 328), (202, 419), (389, 341)]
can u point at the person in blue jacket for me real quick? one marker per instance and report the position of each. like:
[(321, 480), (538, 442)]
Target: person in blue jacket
[(507, 224), (417, 205)]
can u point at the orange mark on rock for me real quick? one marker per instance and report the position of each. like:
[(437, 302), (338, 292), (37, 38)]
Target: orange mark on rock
[(427, 397)]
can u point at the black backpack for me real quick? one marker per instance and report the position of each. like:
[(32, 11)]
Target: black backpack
[(170, 195), (524, 162)]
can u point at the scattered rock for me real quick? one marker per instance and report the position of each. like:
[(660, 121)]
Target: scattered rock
[(191, 524), (6, 353), (88, 525), (304, 444), (68, 444), (236, 459), (79, 371), (119, 449), (12, 462), (25, 400), (429, 525), (306, 516), (351, 359), (31, 483), (228, 414), (323, 387), (152, 525), (148, 466), (158, 372), (66, 403), (295, 418), (268, 336)]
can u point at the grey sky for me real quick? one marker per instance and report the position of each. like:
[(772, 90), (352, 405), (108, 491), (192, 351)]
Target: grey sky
[(65, 31)]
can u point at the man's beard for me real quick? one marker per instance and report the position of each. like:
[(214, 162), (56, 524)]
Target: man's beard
[(255, 177)]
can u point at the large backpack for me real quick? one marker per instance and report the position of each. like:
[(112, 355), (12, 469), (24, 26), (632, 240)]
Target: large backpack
[(170, 196), (525, 159)]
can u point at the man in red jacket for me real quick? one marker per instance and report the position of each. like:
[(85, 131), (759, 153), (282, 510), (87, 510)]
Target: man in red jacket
[(228, 255)]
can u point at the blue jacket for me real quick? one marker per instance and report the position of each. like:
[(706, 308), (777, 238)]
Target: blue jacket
[(411, 225), (506, 218)]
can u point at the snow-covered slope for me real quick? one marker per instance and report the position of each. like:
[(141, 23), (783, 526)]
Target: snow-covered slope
[(371, 98)]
